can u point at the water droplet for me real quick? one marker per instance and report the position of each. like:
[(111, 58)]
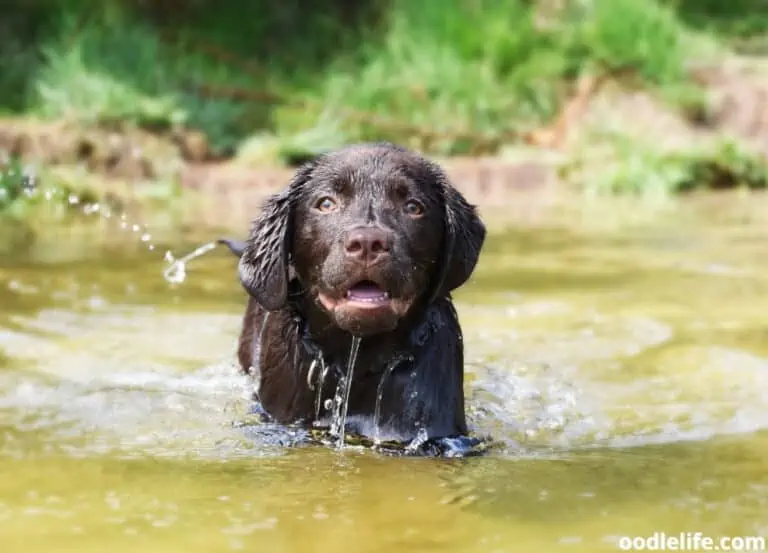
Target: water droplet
[(176, 273), (135, 228), (339, 418), (146, 237), (421, 436), (73, 199), (88, 209)]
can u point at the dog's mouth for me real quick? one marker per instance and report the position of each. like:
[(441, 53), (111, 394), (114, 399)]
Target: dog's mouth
[(367, 293), (366, 297), (364, 308)]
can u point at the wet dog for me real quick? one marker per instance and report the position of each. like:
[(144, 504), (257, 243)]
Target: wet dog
[(366, 241)]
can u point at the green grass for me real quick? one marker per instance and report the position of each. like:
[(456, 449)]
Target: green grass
[(627, 165), (117, 73), (470, 72), (484, 71), (111, 63), (445, 76)]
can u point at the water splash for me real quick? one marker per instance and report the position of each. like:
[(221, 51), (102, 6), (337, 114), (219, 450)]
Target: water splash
[(176, 272), (32, 188), (422, 436), (320, 360), (380, 393), (341, 399)]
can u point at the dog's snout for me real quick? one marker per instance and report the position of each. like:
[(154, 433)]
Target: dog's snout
[(367, 244)]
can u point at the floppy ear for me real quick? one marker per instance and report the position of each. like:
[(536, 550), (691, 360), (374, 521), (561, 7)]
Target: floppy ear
[(462, 242), (263, 266), (235, 246)]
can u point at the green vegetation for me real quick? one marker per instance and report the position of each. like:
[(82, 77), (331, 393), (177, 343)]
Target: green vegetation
[(21, 193), (14, 184), (629, 166), (482, 70), (291, 79)]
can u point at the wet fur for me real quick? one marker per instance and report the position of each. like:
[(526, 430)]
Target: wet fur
[(284, 328)]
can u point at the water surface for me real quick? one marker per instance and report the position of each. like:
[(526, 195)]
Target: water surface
[(621, 368)]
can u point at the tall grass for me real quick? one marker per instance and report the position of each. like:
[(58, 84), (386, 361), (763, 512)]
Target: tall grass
[(110, 71), (489, 68), (471, 71)]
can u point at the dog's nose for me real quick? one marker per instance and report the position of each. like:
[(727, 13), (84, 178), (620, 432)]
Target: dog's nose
[(367, 244)]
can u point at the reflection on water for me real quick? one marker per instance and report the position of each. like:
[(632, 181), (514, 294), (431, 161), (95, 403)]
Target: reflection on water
[(623, 373)]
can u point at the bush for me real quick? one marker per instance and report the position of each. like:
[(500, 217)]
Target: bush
[(448, 77), (481, 72), (625, 165)]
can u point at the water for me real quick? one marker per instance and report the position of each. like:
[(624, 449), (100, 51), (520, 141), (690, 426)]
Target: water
[(176, 272), (622, 369), (317, 364), (380, 395), (341, 398)]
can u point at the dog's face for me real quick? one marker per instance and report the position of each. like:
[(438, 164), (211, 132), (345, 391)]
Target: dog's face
[(367, 237), (369, 231)]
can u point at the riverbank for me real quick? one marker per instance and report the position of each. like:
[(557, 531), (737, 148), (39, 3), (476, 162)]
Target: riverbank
[(603, 97)]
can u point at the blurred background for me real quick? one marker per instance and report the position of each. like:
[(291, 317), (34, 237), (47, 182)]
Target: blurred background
[(642, 95)]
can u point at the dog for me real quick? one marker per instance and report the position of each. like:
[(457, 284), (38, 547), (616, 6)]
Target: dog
[(366, 241)]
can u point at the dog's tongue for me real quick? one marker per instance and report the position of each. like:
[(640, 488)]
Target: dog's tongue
[(366, 291)]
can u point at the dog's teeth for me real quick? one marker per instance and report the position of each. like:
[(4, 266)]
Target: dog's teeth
[(367, 296), (368, 299)]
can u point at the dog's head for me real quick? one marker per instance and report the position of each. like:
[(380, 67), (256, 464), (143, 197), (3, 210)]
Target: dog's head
[(370, 231)]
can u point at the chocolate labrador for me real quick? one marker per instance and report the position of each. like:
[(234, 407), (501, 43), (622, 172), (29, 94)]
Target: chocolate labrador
[(366, 241)]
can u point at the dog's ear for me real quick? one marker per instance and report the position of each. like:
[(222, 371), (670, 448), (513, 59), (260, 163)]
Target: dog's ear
[(235, 246), (462, 242), (263, 266)]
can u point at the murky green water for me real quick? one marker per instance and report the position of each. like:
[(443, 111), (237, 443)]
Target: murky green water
[(622, 369)]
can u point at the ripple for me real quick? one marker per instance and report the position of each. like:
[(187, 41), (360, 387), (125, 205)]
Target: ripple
[(541, 376)]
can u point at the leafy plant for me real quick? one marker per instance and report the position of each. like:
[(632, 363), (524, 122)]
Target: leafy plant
[(15, 182)]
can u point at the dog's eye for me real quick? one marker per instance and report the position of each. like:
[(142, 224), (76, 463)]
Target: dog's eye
[(413, 208), (326, 204)]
